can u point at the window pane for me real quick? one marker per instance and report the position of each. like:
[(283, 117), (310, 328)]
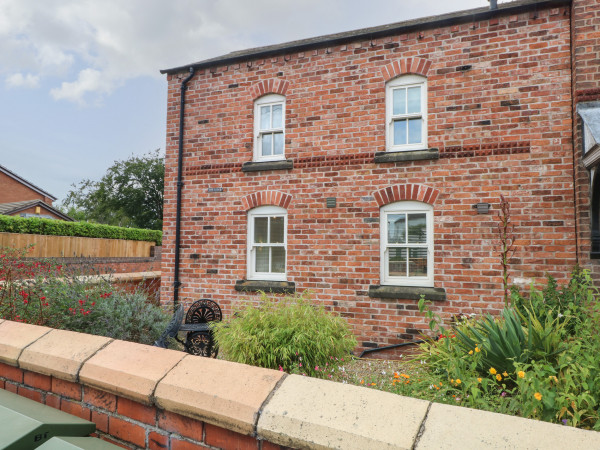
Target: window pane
[(399, 132), (417, 229), (396, 228), (267, 143), (265, 117), (417, 266), (262, 259), (399, 103), (277, 230), (414, 131), (397, 262), (278, 255), (278, 144), (414, 100), (260, 230), (277, 110)]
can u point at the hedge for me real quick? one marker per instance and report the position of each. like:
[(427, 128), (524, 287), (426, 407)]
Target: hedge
[(33, 225)]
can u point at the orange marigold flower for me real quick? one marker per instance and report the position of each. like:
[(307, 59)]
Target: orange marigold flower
[(470, 352), (493, 371), (477, 349), (479, 380), (458, 381), (504, 374), (537, 396), (498, 377), (521, 374)]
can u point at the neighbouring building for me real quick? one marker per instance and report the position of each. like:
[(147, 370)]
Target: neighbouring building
[(19, 197), (368, 166)]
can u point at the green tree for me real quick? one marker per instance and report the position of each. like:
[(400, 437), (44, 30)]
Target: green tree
[(130, 194)]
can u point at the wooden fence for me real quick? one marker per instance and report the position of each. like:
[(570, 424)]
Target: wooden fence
[(73, 247)]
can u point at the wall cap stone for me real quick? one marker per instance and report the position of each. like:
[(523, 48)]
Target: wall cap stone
[(15, 337), (61, 353), (129, 369), (219, 392), (311, 413)]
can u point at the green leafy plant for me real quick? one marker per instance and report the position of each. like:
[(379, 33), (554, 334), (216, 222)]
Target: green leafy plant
[(290, 334), (46, 293), (539, 359), (33, 225)]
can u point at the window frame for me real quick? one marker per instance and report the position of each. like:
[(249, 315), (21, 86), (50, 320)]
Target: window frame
[(405, 82), (268, 100), (265, 211), (406, 207)]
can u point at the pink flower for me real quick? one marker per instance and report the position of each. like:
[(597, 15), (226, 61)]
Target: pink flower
[(280, 369)]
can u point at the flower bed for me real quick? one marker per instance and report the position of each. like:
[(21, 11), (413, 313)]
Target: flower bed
[(49, 294), (539, 360)]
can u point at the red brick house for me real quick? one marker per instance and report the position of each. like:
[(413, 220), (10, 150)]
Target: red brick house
[(19, 197), (360, 166)]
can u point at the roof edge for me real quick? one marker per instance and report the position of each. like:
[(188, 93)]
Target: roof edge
[(42, 204), (465, 16), (22, 180)]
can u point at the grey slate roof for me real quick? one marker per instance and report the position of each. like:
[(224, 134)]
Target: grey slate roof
[(471, 15), (15, 207)]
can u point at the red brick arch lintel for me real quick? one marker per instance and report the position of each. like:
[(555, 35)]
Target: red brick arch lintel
[(401, 192), (271, 86), (418, 66), (263, 198)]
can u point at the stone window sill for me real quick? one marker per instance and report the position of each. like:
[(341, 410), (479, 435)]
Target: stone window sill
[(412, 155), (257, 166), (407, 292), (275, 287)]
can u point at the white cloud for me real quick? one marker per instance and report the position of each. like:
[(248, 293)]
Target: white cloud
[(90, 47), (88, 81), (26, 81)]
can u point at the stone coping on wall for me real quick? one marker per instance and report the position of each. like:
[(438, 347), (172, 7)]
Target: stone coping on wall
[(289, 410)]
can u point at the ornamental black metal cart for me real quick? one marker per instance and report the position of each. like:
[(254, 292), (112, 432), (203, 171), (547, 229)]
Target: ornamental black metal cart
[(199, 338)]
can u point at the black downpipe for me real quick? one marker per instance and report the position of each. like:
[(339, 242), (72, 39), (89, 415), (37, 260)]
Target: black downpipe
[(176, 282)]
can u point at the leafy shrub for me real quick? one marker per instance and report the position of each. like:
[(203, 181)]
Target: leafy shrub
[(45, 293), (291, 334), (540, 359), (34, 225), (127, 316)]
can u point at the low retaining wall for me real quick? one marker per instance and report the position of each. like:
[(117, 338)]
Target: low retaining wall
[(147, 397)]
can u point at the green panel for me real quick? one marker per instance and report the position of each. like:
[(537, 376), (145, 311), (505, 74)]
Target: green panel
[(75, 443), (28, 424)]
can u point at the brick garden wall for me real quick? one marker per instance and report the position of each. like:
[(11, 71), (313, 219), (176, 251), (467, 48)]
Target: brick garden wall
[(121, 421), (499, 111)]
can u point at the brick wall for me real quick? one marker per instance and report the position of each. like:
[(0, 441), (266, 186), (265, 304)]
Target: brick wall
[(121, 421), (13, 191), (586, 87), (499, 111)]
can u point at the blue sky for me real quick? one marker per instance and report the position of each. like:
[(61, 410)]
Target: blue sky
[(79, 79)]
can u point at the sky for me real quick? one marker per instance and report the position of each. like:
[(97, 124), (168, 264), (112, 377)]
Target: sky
[(79, 80)]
